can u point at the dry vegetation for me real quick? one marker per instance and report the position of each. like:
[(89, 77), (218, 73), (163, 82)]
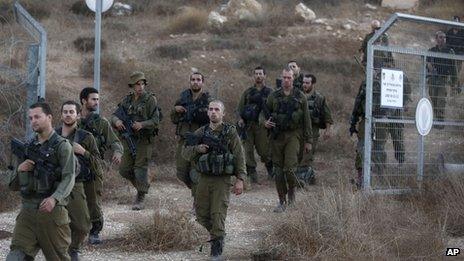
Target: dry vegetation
[(165, 230)]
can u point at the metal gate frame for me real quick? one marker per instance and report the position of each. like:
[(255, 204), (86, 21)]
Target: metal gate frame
[(423, 87), (36, 59)]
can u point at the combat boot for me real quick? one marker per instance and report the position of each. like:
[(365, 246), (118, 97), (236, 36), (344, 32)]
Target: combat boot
[(216, 248), (138, 204), (94, 238), (281, 206), (291, 197), (269, 168), (74, 254)]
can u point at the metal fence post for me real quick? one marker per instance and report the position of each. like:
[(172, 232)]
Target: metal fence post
[(32, 83)]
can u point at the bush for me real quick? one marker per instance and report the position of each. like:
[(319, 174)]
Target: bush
[(339, 224), (189, 20), (80, 8), (87, 44), (165, 230), (172, 51)]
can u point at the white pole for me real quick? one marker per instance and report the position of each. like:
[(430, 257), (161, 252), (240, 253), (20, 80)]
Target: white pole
[(96, 66)]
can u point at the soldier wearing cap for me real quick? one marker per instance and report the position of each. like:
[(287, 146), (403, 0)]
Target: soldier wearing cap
[(141, 107)]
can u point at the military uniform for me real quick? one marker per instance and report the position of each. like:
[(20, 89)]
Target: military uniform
[(195, 117), (443, 72), (89, 168), (320, 117), (135, 169), (381, 131), (34, 229), (293, 124), (216, 169), (250, 107), (298, 82), (106, 138)]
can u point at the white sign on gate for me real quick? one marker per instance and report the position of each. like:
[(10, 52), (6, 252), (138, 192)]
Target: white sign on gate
[(391, 94)]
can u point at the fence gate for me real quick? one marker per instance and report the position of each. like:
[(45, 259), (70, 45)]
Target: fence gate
[(414, 103)]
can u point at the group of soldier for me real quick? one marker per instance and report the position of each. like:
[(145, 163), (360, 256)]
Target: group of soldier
[(60, 177)]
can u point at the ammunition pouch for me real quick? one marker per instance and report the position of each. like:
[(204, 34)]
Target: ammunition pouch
[(84, 172), (216, 164), (250, 113)]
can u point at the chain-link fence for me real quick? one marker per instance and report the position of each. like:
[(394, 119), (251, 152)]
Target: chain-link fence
[(408, 60), (22, 73)]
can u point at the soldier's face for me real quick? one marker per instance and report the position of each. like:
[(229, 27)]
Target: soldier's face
[(39, 120), (196, 82), (139, 87), (215, 112), (287, 79), (294, 67), (92, 102), (441, 39), (259, 76), (69, 114), (307, 84)]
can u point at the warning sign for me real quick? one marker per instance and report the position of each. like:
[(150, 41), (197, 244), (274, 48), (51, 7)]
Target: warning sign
[(392, 89)]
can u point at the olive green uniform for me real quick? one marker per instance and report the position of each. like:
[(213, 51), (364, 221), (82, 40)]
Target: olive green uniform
[(250, 107), (143, 110), (106, 138), (293, 125), (213, 190), (35, 230), (189, 121), (77, 207), (320, 117)]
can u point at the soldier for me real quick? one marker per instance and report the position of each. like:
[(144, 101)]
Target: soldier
[(251, 104), (190, 112), (106, 138), (375, 25), (380, 130), (143, 117), (86, 150), (440, 72), (217, 153), (321, 118), (289, 123), (297, 75), (45, 184)]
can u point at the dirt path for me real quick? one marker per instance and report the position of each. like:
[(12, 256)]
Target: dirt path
[(247, 219)]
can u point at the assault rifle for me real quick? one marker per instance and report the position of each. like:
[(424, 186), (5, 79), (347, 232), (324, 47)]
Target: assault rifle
[(213, 142), (127, 134), (190, 107), (40, 156)]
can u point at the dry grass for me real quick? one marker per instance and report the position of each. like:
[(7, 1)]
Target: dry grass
[(87, 44), (341, 224), (172, 51), (165, 230), (189, 20)]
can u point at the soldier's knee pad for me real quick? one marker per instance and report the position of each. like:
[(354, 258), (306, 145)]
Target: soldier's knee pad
[(18, 255)]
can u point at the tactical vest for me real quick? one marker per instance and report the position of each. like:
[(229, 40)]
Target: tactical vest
[(316, 110), (47, 172), (288, 114), (137, 112), (197, 110), (84, 171), (217, 163), (90, 124), (254, 103)]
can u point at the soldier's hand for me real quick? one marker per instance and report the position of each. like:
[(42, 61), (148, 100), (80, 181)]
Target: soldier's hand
[(353, 130), (120, 125), (202, 148), (238, 187), (78, 149), (180, 109), (137, 126), (116, 159), (307, 147), (47, 205), (269, 124), (26, 166)]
